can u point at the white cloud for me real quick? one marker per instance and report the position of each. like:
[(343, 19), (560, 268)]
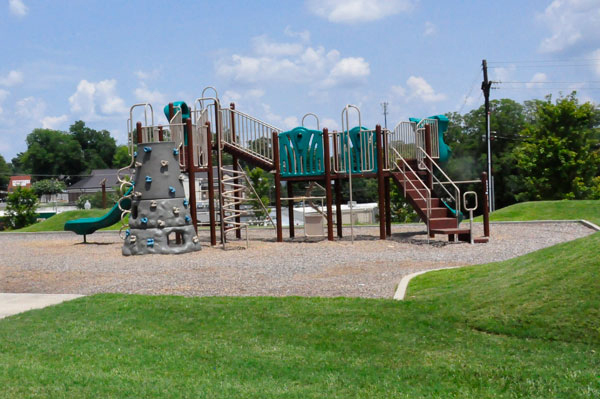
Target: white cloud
[(537, 80), (283, 122), (53, 122), (349, 11), (13, 78), (91, 98), (3, 95), (294, 63), (304, 35), (430, 29), (144, 94), (503, 74), (571, 23), (348, 71), (17, 7), (148, 75), (31, 108), (398, 91), (330, 124), (419, 88)]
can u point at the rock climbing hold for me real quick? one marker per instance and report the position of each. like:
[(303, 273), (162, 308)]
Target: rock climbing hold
[(175, 210), (153, 204), (185, 203), (150, 242), (161, 223), (188, 218), (132, 239), (175, 151), (147, 149), (137, 194), (148, 179), (164, 163), (172, 189), (127, 233), (138, 164), (195, 239), (135, 154), (181, 177), (144, 220)]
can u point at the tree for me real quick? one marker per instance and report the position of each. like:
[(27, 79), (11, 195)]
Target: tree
[(4, 173), (20, 207), (52, 152), (122, 158), (98, 146), (48, 187), (560, 160)]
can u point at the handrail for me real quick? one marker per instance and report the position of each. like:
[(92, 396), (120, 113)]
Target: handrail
[(349, 171), (311, 114), (457, 190), (428, 199)]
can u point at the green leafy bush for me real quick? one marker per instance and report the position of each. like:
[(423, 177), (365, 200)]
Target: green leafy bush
[(20, 207)]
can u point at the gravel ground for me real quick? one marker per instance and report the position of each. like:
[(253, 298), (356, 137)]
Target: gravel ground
[(60, 263)]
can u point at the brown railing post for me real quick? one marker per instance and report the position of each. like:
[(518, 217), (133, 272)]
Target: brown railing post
[(486, 206), (211, 187), (103, 193), (388, 208), (380, 181), (191, 174), (428, 160), (160, 133), (339, 223), (277, 186), (138, 128), (328, 193)]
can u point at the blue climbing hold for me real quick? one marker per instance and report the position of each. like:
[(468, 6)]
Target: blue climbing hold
[(175, 151), (144, 220), (148, 179), (172, 189), (188, 219), (150, 242), (135, 154), (147, 149), (127, 233), (185, 203)]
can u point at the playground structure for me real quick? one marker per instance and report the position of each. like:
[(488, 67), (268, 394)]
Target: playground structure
[(408, 156)]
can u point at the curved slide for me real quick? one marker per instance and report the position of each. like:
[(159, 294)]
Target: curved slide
[(89, 225)]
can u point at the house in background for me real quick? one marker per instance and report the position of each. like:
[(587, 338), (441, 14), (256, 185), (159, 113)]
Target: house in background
[(18, 181), (93, 183)]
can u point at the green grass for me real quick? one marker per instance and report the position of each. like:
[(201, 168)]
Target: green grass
[(57, 222), (549, 210), (528, 327)]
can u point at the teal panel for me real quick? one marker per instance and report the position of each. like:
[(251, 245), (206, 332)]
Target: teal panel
[(363, 151), (301, 152), (185, 114), (445, 150)]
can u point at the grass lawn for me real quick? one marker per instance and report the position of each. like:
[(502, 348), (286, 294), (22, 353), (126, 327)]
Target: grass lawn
[(527, 327), (549, 210), (57, 222)]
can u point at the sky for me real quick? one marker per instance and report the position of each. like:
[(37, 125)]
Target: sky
[(64, 61)]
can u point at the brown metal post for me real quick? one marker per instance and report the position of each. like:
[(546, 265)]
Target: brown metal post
[(486, 206), (211, 187), (138, 128), (103, 193), (277, 186), (171, 112), (238, 219), (290, 194), (328, 193), (380, 181), (160, 133), (388, 208), (338, 207), (191, 174), (428, 151)]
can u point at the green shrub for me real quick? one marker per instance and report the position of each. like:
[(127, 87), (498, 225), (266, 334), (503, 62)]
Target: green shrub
[(20, 208)]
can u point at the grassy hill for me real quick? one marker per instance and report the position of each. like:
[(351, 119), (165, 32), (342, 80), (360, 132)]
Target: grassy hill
[(549, 210), (527, 327)]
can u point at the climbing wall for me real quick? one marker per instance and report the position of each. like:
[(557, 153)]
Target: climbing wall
[(160, 221)]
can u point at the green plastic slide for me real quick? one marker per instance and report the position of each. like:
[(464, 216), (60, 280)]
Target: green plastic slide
[(89, 225)]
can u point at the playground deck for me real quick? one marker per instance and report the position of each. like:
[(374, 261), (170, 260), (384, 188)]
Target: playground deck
[(59, 263)]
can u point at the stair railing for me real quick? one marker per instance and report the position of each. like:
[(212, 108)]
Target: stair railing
[(399, 160), (430, 170)]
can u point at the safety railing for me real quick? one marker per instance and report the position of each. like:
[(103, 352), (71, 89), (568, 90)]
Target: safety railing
[(402, 166), (248, 133), (407, 137), (430, 169), (420, 139)]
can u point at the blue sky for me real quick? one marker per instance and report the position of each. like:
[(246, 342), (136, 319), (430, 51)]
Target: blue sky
[(91, 60)]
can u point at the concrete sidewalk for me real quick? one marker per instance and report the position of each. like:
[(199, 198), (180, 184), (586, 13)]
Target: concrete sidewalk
[(11, 304)]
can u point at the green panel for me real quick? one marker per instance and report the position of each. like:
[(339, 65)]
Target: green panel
[(445, 150), (185, 114), (301, 152), (363, 148)]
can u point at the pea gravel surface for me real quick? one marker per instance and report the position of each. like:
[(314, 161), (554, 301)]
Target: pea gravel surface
[(59, 262)]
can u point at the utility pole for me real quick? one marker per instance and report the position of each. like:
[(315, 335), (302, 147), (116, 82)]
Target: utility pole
[(486, 86), (385, 112)]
